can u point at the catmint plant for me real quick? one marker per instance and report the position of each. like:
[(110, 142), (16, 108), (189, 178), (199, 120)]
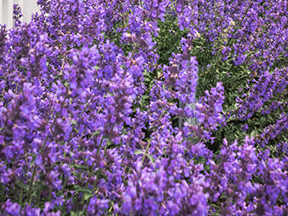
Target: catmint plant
[(90, 92)]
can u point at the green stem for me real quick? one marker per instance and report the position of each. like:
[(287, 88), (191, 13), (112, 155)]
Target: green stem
[(46, 139), (132, 55), (108, 142), (1, 191), (106, 147), (82, 200), (16, 90), (77, 197), (64, 185), (161, 115), (35, 167), (38, 197), (31, 183), (62, 66), (86, 186), (94, 185), (3, 91), (20, 196), (99, 147), (63, 173), (50, 192), (146, 150)]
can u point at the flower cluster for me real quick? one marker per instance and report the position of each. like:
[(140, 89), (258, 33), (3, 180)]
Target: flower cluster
[(75, 137)]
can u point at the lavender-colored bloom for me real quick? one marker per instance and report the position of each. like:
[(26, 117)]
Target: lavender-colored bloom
[(38, 160), (12, 208)]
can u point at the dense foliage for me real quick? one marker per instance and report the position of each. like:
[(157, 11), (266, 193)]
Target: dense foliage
[(91, 96)]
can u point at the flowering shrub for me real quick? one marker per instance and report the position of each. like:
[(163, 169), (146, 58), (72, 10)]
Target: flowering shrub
[(90, 90)]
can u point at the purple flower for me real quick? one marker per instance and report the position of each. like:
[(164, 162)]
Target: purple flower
[(12, 208), (38, 160)]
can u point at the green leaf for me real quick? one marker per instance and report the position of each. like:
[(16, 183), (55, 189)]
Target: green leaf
[(74, 214), (32, 162), (77, 166), (88, 196), (31, 154), (214, 206), (40, 186), (100, 175), (84, 190), (253, 133), (95, 133), (215, 214), (284, 137), (66, 83), (270, 117), (151, 158), (138, 152), (23, 186), (72, 187)]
